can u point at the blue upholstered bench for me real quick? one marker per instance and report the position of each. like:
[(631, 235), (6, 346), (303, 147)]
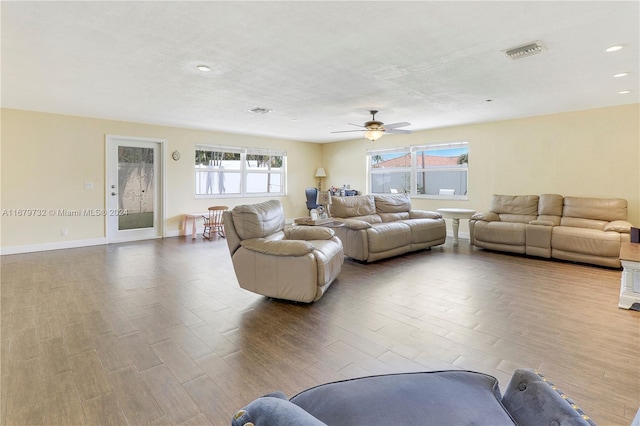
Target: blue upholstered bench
[(426, 398)]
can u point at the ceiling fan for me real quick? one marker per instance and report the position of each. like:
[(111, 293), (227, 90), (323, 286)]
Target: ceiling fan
[(374, 129)]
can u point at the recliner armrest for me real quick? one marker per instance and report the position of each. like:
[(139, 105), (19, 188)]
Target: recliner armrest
[(621, 226), (424, 214), (278, 247), (531, 400), (274, 411), (486, 216), (308, 233)]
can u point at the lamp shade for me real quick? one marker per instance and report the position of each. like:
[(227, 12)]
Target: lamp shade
[(320, 172)]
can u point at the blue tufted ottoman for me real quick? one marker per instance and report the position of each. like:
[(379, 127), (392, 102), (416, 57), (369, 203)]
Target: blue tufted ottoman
[(425, 398)]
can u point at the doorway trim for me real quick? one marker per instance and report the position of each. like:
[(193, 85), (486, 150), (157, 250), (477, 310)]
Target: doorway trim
[(110, 140)]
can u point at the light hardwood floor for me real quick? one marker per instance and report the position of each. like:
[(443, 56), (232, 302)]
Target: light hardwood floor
[(159, 332)]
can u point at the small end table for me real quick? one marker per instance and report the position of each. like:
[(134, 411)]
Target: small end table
[(630, 281), (455, 215)]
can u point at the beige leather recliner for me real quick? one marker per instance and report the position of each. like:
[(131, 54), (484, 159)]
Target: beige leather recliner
[(296, 263)]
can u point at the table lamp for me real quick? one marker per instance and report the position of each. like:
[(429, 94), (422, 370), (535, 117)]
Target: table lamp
[(320, 173)]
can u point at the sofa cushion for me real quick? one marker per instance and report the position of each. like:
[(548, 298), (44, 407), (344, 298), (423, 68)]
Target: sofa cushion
[(392, 203), (607, 209), (515, 204), (425, 230), (387, 236), (586, 241), (500, 233), (345, 207), (438, 398), (550, 205), (258, 220)]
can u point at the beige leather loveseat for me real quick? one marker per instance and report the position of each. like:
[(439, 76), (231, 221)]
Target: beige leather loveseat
[(588, 230), (380, 226), (295, 263)]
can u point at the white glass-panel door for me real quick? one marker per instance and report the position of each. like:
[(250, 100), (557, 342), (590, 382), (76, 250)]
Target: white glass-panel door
[(134, 194)]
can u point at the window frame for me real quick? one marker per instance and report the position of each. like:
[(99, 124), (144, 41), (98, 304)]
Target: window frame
[(244, 171), (415, 170)]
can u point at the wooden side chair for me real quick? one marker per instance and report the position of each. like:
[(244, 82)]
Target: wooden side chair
[(214, 222)]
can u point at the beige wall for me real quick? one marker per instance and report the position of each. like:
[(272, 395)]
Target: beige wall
[(594, 153), (47, 158)]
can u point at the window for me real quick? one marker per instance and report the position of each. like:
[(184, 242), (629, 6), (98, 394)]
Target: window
[(438, 170), (233, 171), (390, 170)]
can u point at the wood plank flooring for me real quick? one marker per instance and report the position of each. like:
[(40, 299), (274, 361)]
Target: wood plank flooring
[(159, 331)]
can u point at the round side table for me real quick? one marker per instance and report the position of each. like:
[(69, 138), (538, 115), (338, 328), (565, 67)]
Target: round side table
[(455, 215)]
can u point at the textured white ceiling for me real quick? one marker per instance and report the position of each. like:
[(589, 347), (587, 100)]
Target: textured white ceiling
[(317, 65)]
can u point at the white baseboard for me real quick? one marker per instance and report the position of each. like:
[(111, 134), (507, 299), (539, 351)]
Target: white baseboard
[(31, 248)]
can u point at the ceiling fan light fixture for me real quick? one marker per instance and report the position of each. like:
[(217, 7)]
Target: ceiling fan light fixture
[(373, 135)]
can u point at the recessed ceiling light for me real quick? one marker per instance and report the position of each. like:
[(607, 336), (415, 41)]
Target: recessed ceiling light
[(613, 48), (622, 74), (203, 68), (624, 92)]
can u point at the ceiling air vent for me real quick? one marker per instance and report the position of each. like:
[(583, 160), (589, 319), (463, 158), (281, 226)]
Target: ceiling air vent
[(525, 50), (258, 110)]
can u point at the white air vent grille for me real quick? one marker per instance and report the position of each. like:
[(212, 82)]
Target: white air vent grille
[(258, 110), (524, 50)]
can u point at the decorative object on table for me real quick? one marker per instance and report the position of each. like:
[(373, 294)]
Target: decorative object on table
[(310, 221), (320, 173), (323, 200), (374, 129), (313, 214)]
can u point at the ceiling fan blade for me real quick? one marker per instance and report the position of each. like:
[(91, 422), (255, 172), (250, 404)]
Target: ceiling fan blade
[(404, 132), (357, 125), (395, 125), (348, 131)]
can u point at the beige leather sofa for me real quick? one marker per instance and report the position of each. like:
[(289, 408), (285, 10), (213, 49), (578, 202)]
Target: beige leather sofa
[(380, 226), (588, 230), (295, 262)]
